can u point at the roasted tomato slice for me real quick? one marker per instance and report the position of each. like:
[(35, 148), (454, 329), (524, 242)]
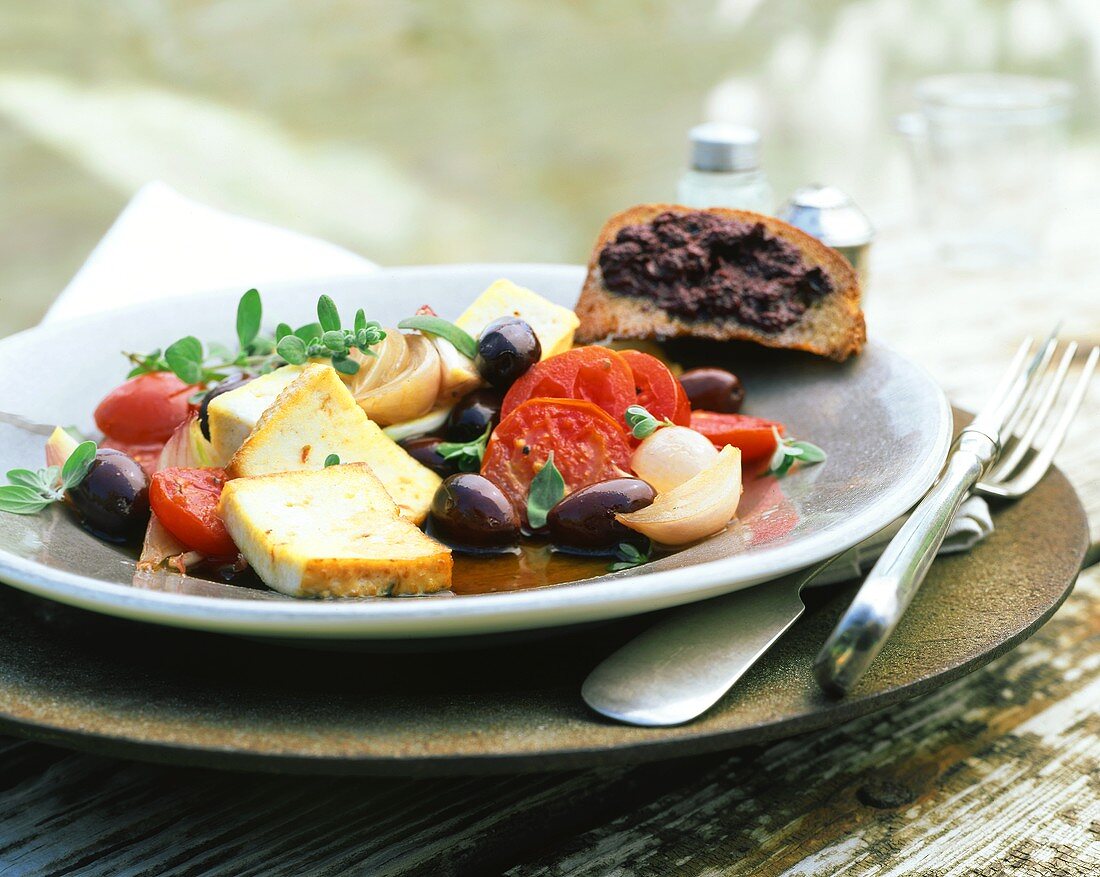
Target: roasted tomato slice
[(753, 435), (657, 389), (186, 502), (146, 409), (592, 374), (588, 445)]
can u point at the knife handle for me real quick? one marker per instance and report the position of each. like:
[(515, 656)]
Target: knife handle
[(894, 579)]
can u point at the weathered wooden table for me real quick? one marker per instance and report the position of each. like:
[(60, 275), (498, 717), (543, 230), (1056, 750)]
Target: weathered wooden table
[(998, 773)]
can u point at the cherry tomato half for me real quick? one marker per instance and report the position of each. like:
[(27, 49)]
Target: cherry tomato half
[(657, 389), (148, 455), (186, 502), (588, 446), (753, 435), (146, 409), (591, 374)]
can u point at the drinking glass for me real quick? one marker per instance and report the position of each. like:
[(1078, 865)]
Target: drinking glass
[(986, 150)]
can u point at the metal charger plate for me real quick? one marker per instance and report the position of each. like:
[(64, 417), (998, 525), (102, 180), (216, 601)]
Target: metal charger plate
[(884, 422), (133, 690)]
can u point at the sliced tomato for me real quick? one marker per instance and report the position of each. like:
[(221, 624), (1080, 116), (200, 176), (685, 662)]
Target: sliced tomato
[(753, 435), (146, 409), (587, 443), (592, 374), (657, 389), (148, 455), (185, 501)]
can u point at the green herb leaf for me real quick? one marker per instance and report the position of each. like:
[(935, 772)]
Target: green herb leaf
[(184, 358), (547, 489), (360, 321), (249, 314), (464, 342), (642, 424), (310, 332), (467, 455), (334, 340), (629, 556), (78, 464), (332, 460), (788, 452), (18, 499), (281, 331), (27, 478), (346, 366), (327, 315), (293, 349)]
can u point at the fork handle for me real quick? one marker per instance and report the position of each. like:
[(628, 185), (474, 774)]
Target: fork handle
[(894, 579)]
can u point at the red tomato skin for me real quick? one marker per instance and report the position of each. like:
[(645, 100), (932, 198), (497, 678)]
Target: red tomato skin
[(185, 501), (657, 389), (592, 374), (753, 435), (146, 409), (588, 445)]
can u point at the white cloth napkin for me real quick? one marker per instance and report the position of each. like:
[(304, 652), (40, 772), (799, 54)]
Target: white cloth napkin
[(165, 244)]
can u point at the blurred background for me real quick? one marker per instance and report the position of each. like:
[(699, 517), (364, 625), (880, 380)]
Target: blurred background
[(506, 130)]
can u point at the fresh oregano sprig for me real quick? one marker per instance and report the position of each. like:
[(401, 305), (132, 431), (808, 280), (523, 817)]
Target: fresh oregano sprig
[(466, 455), (547, 489), (330, 340), (629, 556), (643, 424), (193, 363), (789, 451), (30, 491)]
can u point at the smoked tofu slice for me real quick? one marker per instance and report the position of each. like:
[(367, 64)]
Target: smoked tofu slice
[(234, 414), (316, 415), (553, 324), (331, 533)]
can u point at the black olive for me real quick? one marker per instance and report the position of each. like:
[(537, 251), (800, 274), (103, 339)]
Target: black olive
[(713, 389), (112, 500), (469, 510), (425, 450), (473, 413), (586, 518), (232, 382), (506, 349)]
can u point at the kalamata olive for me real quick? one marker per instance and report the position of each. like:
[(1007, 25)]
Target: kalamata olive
[(713, 389), (425, 450), (469, 510), (232, 382), (506, 349), (586, 518), (473, 413), (112, 499)]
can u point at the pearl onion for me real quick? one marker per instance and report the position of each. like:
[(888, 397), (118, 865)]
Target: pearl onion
[(671, 456)]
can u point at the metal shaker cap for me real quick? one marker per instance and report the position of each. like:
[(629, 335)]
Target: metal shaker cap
[(718, 147), (829, 215)]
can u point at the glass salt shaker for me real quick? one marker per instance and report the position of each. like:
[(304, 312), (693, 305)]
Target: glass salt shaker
[(725, 170)]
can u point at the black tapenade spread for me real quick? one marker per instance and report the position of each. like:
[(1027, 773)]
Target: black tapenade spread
[(701, 266)]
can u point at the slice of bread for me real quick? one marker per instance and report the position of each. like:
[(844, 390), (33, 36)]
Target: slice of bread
[(831, 326)]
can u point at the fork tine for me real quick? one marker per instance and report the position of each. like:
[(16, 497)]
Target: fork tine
[(1009, 378), (1036, 417), (1029, 476), (1032, 395)]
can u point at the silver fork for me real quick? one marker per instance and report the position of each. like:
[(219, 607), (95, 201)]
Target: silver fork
[(996, 455), (682, 665)]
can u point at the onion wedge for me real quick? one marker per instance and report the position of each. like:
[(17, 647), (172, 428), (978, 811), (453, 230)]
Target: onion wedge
[(411, 392), (699, 507)]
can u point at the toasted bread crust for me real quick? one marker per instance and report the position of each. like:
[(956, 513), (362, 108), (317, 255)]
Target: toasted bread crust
[(833, 327)]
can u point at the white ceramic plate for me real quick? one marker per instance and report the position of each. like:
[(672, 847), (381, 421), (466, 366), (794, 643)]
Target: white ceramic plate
[(884, 423)]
